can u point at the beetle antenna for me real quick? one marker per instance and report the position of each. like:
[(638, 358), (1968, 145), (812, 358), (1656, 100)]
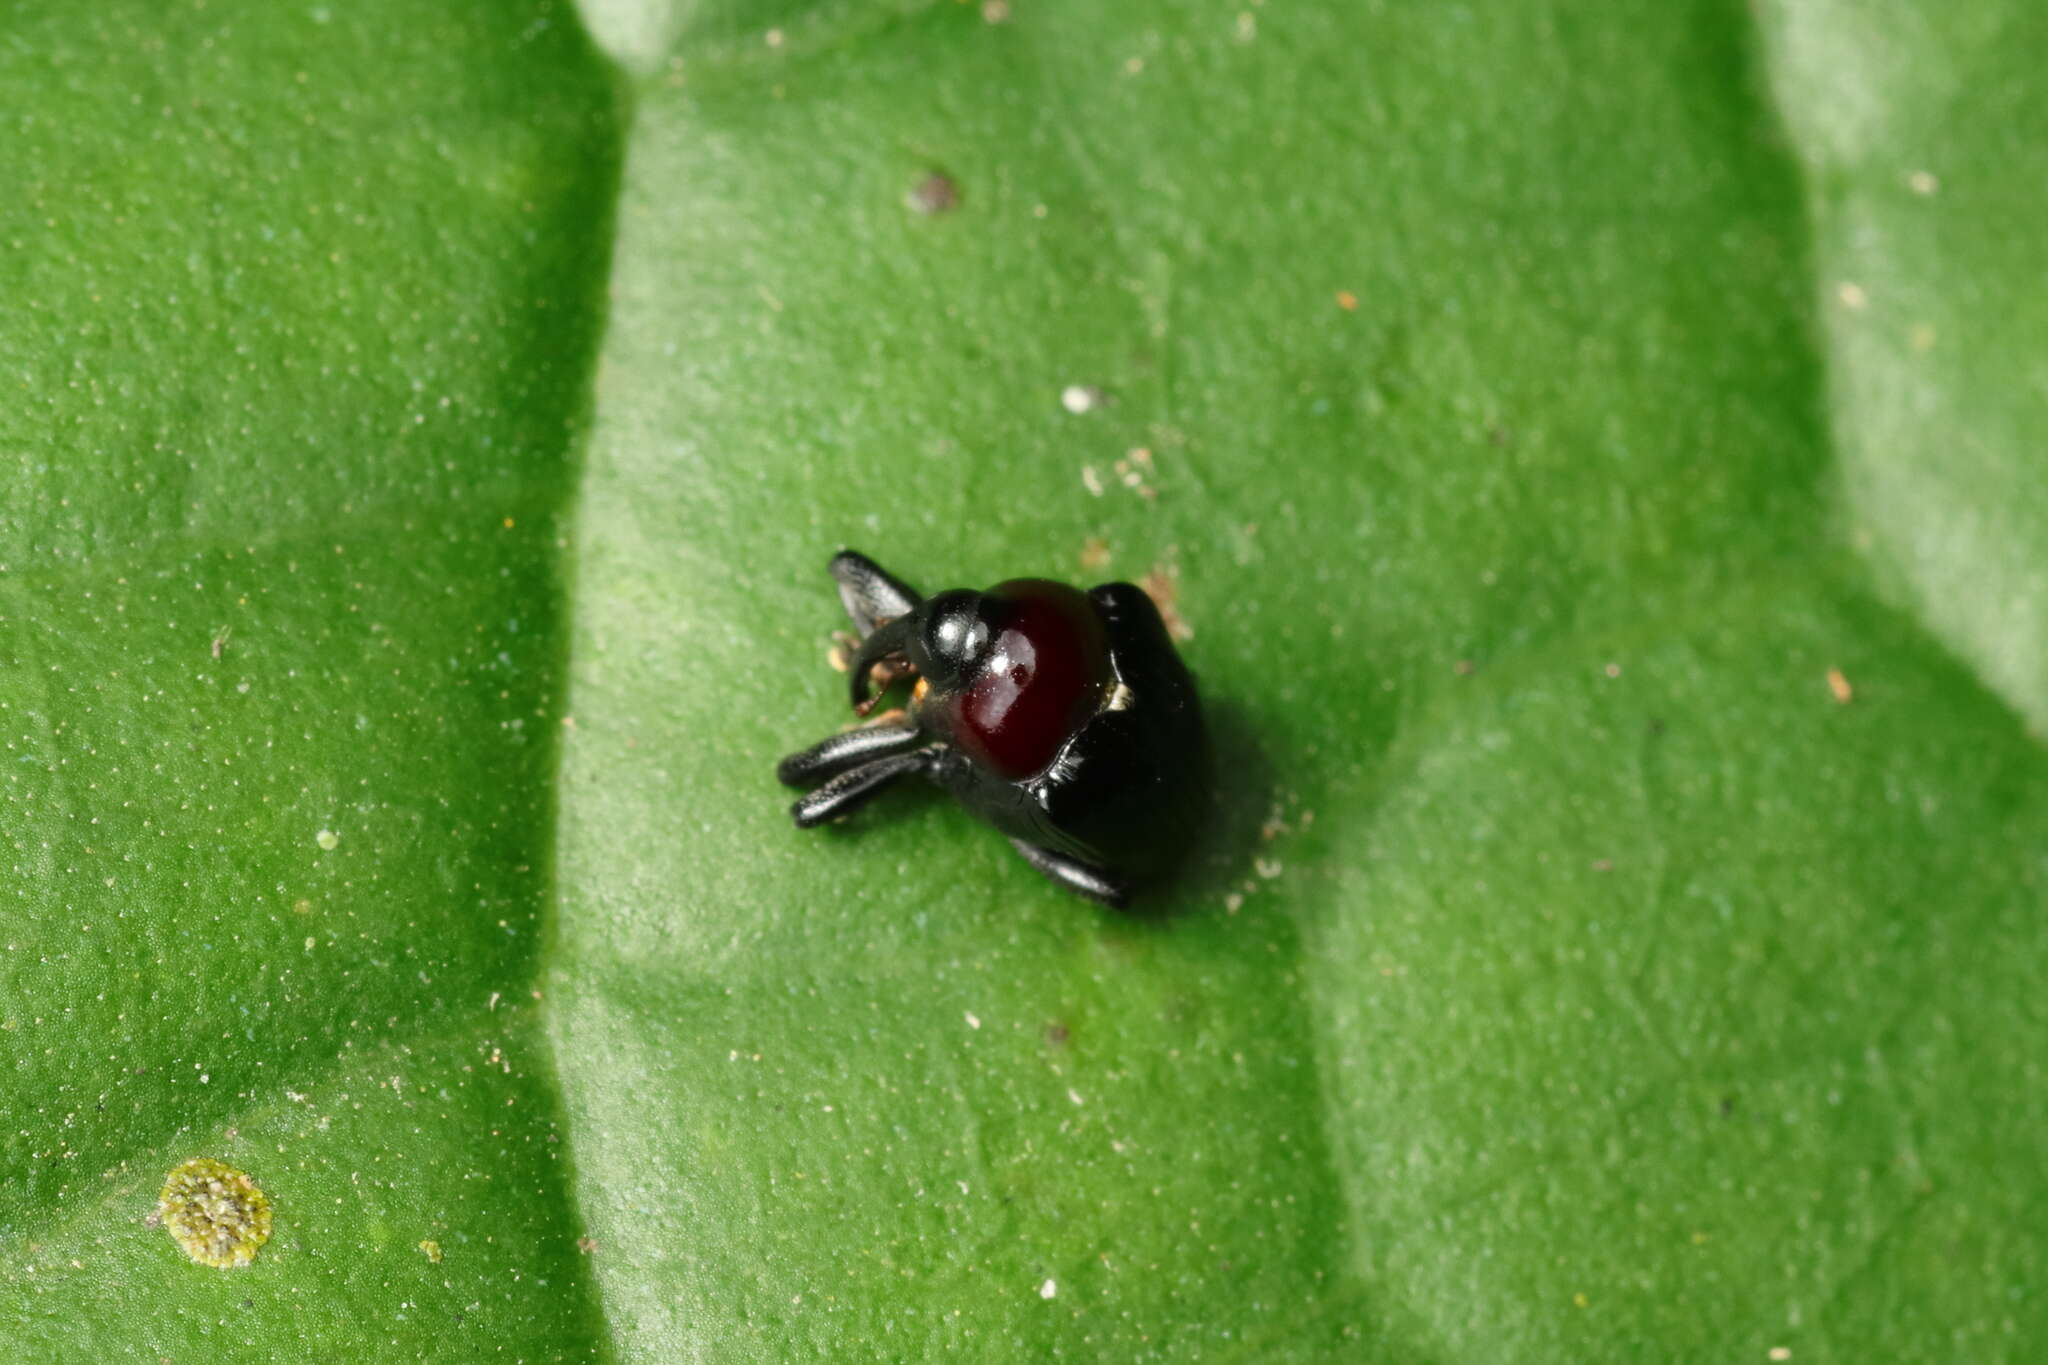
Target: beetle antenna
[(891, 637)]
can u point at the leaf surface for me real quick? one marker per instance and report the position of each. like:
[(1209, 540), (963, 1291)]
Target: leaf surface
[(1589, 452)]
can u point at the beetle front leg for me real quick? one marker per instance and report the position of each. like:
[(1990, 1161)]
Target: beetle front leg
[(852, 788), (849, 749), (870, 593), (1075, 875)]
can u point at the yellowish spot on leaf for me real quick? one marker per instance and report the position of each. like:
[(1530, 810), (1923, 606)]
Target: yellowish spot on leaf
[(214, 1212), (432, 1249)]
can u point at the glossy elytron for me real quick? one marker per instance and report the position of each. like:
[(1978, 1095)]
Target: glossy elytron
[(1063, 718)]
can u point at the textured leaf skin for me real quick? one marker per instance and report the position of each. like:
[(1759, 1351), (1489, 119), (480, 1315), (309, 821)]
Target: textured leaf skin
[(300, 308)]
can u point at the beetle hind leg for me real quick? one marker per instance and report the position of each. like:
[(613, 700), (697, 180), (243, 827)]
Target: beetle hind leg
[(854, 787), (1075, 875)]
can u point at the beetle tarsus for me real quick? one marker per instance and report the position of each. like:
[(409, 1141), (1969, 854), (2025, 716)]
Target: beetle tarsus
[(830, 757), (852, 788)]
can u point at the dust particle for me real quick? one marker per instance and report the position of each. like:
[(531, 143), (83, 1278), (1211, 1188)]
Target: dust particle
[(1094, 554), (1923, 182), (1047, 1290), (1131, 472), (935, 194), (214, 1212), (1838, 687), (1851, 294), (1780, 1353), (328, 840), (995, 11), (1347, 300), (1080, 398), (586, 1245), (432, 1250)]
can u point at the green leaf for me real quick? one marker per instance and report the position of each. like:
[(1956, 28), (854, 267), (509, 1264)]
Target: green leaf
[(1590, 450), (300, 303)]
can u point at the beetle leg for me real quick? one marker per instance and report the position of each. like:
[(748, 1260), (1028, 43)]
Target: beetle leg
[(833, 756), (854, 786), (1075, 875), (886, 642), (871, 593)]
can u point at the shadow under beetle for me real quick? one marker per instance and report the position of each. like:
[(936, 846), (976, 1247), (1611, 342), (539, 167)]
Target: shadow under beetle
[(1063, 718)]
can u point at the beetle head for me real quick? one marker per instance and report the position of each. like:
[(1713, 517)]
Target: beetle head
[(951, 638), (945, 640)]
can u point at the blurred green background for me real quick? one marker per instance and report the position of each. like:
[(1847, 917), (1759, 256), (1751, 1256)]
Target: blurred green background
[(1593, 451)]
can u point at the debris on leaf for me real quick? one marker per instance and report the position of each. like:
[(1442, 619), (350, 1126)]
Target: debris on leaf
[(1080, 398), (935, 194), (1162, 584)]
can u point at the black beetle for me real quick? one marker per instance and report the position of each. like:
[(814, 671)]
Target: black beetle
[(1065, 719)]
